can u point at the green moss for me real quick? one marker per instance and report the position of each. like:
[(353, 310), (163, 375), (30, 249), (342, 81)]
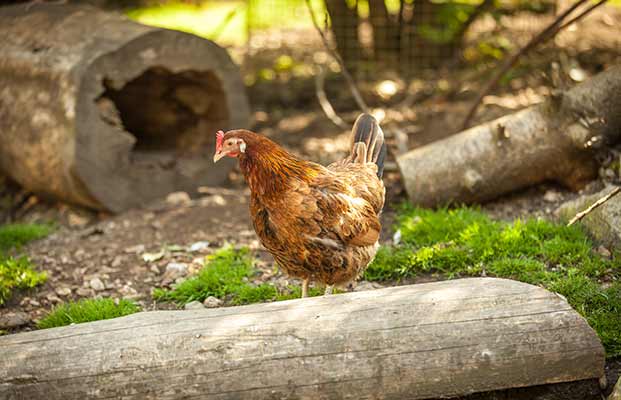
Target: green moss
[(466, 242), (225, 276), (87, 310), (17, 273), (16, 235)]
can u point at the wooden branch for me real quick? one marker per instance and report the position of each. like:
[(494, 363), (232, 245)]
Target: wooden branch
[(407, 342), (335, 54), (325, 104), (547, 33), (593, 206), (546, 142), (582, 14)]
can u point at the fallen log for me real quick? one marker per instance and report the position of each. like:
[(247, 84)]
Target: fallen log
[(553, 141), (107, 113), (412, 342)]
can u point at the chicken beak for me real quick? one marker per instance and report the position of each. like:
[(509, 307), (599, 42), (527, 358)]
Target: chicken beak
[(218, 156)]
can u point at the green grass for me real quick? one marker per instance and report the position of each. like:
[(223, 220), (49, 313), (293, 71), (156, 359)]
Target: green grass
[(226, 275), (87, 310), (18, 272), (466, 242), (16, 235)]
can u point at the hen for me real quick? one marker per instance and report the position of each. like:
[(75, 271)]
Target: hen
[(320, 223)]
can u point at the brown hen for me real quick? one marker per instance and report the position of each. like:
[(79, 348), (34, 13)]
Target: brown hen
[(320, 223)]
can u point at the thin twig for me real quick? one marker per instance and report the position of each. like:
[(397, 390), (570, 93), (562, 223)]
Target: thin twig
[(598, 203), (327, 108), (582, 14), (334, 53), (547, 33)]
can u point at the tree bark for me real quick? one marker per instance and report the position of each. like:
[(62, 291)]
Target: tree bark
[(107, 113), (554, 141), (423, 341)]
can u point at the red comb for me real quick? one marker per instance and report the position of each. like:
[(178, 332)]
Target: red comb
[(219, 140)]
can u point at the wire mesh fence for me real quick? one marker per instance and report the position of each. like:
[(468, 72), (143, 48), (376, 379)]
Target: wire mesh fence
[(372, 36)]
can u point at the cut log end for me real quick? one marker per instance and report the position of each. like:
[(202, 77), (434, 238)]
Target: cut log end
[(141, 106)]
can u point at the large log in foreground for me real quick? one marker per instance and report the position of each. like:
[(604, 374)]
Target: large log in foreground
[(554, 141), (411, 342), (107, 113)]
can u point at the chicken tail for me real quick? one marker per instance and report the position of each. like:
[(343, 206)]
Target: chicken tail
[(368, 142)]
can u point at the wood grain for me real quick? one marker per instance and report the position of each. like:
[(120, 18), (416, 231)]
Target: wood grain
[(409, 342)]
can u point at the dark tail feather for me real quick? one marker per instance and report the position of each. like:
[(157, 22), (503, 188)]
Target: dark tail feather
[(367, 131)]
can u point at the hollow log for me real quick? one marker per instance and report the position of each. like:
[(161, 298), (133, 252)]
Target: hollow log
[(553, 141), (411, 342), (100, 111)]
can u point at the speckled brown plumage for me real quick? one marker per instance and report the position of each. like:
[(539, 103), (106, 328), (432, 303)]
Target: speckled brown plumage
[(319, 223)]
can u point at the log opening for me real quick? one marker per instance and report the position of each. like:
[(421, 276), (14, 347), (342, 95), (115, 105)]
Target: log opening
[(164, 110)]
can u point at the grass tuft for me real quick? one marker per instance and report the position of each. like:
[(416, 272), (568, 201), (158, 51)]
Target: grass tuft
[(18, 272), (225, 275), (17, 235), (466, 242), (87, 310)]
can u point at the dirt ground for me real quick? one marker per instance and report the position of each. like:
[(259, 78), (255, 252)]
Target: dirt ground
[(95, 254)]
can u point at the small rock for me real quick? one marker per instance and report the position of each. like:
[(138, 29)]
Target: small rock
[(194, 305), (178, 198), (79, 254), (212, 302), (552, 196), (365, 285), (13, 320), (52, 298), (151, 257), (84, 292), (135, 249), (97, 284), (63, 291), (118, 260), (154, 269), (174, 271), (198, 246), (604, 252), (180, 268)]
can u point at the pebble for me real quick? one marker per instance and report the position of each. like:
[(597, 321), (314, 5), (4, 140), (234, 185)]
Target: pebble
[(84, 292), (97, 284), (212, 302), (63, 291), (178, 198), (194, 305), (552, 196), (198, 246), (604, 252), (174, 271), (139, 248), (118, 260), (13, 320), (151, 257)]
